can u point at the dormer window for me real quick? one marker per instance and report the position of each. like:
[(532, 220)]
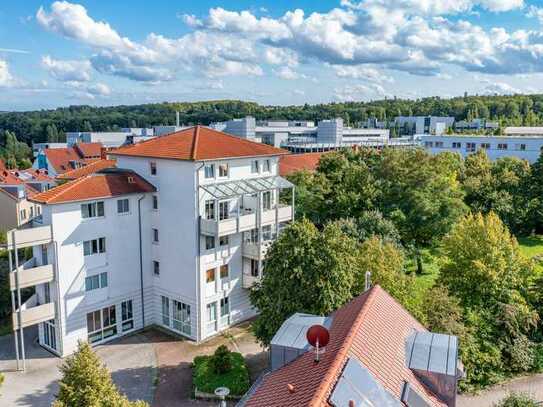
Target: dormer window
[(223, 170)]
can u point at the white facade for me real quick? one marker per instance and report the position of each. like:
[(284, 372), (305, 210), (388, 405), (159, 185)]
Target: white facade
[(202, 248), (524, 147), (423, 124)]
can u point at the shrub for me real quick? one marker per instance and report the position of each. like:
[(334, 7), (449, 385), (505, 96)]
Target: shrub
[(521, 354), (538, 358), (222, 360), (517, 400)]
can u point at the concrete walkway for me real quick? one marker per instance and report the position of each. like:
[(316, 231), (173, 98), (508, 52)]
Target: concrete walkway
[(131, 361), (532, 385)]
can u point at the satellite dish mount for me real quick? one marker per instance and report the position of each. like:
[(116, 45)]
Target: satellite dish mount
[(318, 337)]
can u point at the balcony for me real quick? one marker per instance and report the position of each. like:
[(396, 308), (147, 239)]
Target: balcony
[(31, 275), (253, 251), (284, 214), (33, 313), (248, 280), (29, 236)]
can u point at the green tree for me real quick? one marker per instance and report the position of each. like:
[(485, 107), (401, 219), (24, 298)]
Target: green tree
[(86, 382), (517, 400), (443, 312), (51, 133), (306, 271)]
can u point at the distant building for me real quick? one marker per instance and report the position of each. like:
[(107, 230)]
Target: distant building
[(410, 125), (523, 131), (36, 147), (524, 147), (378, 355), (475, 125), (60, 160)]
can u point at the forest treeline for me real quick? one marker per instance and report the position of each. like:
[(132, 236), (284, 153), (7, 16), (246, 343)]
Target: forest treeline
[(50, 125)]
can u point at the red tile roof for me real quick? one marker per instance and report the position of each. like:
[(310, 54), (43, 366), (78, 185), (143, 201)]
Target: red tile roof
[(62, 159), (197, 144), (89, 150), (292, 163), (103, 184), (2, 165), (372, 328), (87, 169), (32, 174), (7, 177)]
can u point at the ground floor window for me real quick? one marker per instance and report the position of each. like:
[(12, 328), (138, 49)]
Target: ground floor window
[(49, 334), (127, 316), (101, 324), (181, 317), (225, 307), (211, 313), (166, 311)]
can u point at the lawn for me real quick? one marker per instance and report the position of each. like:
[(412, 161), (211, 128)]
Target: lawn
[(532, 246), (205, 379), (424, 281)]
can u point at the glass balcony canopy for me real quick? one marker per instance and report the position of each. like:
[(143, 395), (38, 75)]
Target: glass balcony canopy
[(230, 189)]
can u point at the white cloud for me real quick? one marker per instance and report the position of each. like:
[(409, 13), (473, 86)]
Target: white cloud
[(88, 91), (535, 12), (67, 70), (359, 92), (6, 79), (361, 72), (499, 88)]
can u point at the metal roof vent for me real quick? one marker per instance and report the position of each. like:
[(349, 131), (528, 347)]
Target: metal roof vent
[(434, 359)]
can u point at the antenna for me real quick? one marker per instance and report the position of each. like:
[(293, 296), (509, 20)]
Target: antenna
[(368, 281), (177, 118), (318, 337)]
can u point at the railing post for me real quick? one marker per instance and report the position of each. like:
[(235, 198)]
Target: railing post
[(14, 309), (18, 288)]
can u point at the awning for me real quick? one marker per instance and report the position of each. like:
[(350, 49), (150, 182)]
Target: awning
[(231, 189)]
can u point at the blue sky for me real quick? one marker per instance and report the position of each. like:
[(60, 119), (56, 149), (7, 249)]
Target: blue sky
[(272, 52)]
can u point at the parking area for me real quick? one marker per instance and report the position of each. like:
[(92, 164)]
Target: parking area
[(151, 366)]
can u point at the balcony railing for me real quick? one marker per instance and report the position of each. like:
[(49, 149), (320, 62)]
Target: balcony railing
[(255, 251), (33, 313), (30, 236), (30, 275), (248, 280)]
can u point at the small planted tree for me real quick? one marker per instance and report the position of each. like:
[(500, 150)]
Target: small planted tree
[(517, 400), (222, 360), (86, 382)]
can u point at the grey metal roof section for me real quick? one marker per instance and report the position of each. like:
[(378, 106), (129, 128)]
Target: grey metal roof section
[(356, 383), (231, 189), (292, 332), (436, 353)]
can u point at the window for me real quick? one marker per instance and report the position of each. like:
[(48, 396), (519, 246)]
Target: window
[(502, 146), (254, 268), (181, 317), (38, 210), (209, 171), (267, 233), (210, 209), (224, 271), (123, 206), (210, 276), (223, 240), (470, 147), (521, 147), (152, 168), (253, 236), (101, 324), (428, 144), (156, 268), (255, 167), (166, 311), (127, 316), (485, 146), (44, 259), (266, 200), (267, 166), (155, 235), (23, 214), (96, 281), (92, 210), (31, 212), (439, 144), (456, 145), (223, 210), (223, 170), (155, 202), (46, 293), (225, 307), (94, 246), (210, 242), (211, 309)]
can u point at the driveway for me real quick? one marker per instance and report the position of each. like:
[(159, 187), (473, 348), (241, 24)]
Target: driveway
[(151, 366), (533, 385), (131, 361)]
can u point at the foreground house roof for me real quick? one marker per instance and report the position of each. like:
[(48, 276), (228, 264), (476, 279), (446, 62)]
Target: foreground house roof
[(106, 183), (198, 143), (372, 329), (87, 169), (289, 164)]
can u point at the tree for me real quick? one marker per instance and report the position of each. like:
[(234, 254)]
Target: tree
[(443, 312), (221, 360), (86, 382), (51, 133), (517, 400), (306, 271)]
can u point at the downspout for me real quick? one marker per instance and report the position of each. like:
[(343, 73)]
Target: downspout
[(141, 264), (198, 246)]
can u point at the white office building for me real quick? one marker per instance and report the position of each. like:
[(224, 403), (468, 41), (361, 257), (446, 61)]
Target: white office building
[(111, 138), (410, 125), (175, 236), (524, 147)]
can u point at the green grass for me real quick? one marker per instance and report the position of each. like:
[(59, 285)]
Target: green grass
[(531, 246), (206, 380), (424, 281)]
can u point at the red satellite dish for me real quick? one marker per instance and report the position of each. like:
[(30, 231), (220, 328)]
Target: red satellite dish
[(318, 337)]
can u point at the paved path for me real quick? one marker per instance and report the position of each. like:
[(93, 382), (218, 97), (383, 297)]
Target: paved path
[(532, 385), (131, 361)]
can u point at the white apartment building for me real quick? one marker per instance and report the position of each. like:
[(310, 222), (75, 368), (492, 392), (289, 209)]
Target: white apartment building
[(524, 147), (410, 125), (175, 236)]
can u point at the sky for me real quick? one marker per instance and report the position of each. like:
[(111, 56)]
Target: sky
[(272, 52)]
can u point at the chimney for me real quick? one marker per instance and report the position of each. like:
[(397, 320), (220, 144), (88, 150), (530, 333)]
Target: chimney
[(177, 118), (103, 153), (368, 281)]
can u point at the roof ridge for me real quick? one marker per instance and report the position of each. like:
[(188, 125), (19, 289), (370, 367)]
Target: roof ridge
[(68, 186), (336, 363), (195, 139)]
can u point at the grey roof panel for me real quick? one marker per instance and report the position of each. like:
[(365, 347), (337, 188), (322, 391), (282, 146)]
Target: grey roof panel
[(439, 353), (292, 333)]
